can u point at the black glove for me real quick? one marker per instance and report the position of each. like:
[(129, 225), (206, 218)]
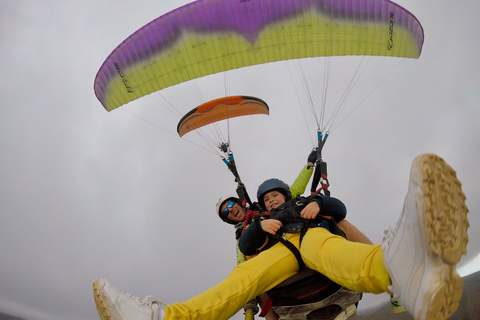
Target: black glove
[(312, 157)]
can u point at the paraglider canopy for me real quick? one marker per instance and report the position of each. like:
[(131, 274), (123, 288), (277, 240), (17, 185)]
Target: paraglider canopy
[(211, 36), (221, 109)]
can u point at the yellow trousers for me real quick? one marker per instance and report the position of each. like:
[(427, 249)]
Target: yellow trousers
[(353, 265)]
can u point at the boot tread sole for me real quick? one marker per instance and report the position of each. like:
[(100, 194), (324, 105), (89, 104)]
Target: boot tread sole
[(446, 223)]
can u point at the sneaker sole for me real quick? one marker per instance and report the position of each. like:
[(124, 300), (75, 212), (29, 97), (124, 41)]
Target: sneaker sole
[(102, 301), (446, 223)]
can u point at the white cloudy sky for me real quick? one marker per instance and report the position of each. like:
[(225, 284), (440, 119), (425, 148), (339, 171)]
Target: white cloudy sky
[(87, 194)]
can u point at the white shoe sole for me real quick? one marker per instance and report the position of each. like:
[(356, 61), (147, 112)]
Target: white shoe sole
[(444, 225)]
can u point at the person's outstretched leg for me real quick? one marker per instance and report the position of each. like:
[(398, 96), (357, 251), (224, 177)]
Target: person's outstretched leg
[(421, 253), (356, 266), (352, 233), (247, 281)]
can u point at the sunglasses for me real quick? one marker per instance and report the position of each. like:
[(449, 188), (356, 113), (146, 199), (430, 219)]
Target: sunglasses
[(226, 211)]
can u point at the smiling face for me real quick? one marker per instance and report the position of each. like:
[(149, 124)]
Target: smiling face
[(273, 199), (236, 213)]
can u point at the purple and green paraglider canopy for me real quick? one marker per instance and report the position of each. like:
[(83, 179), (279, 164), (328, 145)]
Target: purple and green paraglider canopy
[(211, 36)]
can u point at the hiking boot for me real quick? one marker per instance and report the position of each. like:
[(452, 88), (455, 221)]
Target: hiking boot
[(113, 304), (421, 253)]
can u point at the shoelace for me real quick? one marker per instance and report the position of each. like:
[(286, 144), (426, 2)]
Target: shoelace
[(387, 235), (145, 301), (389, 232)]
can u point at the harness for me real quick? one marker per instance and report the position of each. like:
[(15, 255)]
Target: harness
[(309, 294), (288, 206), (301, 226)]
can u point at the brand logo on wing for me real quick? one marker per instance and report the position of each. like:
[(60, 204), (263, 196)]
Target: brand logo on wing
[(390, 31), (124, 79)]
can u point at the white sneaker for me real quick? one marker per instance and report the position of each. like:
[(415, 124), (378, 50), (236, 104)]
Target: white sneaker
[(113, 304), (430, 237)]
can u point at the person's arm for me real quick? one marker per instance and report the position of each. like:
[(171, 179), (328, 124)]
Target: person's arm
[(327, 206), (252, 239), (300, 184)]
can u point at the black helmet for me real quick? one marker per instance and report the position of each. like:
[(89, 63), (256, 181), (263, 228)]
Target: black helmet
[(273, 185)]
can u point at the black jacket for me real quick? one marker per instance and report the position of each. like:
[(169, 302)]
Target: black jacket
[(289, 214)]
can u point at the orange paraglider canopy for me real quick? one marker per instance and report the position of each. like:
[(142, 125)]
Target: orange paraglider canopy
[(221, 109)]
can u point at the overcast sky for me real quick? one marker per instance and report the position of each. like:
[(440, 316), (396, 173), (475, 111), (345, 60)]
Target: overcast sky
[(86, 194)]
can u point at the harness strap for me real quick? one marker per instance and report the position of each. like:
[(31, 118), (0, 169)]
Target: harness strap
[(242, 192), (250, 214), (266, 308), (292, 248), (303, 232), (320, 176)]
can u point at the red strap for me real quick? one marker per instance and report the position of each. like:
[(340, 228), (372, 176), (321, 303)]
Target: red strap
[(266, 308), (250, 214)]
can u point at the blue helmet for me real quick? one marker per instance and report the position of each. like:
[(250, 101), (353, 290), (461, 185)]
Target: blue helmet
[(273, 185)]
